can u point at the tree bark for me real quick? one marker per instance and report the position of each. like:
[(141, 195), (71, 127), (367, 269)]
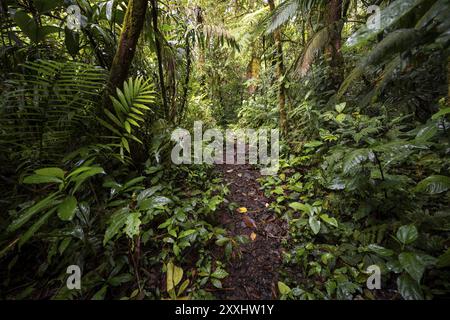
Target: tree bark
[(280, 75), (159, 56), (187, 79), (334, 13), (253, 72), (131, 30), (448, 79)]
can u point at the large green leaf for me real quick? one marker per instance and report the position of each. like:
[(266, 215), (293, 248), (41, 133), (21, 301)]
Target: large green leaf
[(434, 184), (283, 288), (79, 180), (407, 234), (42, 205), (382, 251), (219, 273), (53, 172), (427, 132), (154, 202), (444, 260), (314, 224), (26, 23), (389, 17), (35, 227), (29, 27), (132, 224), (413, 264), (357, 157), (116, 222), (441, 113), (147, 193), (67, 208), (330, 220), (300, 207), (408, 288)]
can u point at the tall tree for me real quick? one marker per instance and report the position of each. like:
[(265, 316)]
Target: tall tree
[(280, 74), (131, 30), (335, 10), (159, 55)]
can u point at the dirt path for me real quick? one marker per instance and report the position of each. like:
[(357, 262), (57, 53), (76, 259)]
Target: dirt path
[(255, 274)]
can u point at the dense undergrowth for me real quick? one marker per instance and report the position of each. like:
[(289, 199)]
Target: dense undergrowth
[(367, 193)]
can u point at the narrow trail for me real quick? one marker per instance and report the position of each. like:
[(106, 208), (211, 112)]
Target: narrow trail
[(254, 275)]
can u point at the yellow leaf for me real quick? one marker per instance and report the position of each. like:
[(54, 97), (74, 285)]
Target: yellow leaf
[(242, 210), (177, 275), (249, 222), (253, 236), (174, 276)]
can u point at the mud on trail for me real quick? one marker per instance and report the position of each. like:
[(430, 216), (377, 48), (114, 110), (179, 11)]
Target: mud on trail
[(254, 275)]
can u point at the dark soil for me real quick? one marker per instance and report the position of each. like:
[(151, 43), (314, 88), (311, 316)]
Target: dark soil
[(254, 275)]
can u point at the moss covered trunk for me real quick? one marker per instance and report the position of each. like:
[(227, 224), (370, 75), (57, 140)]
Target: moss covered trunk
[(280, 75), (131, 30), (335, 11)]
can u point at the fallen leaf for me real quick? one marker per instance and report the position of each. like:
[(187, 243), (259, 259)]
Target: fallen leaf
[(253, 236), (267, 205), (249, 222), (242, 210)]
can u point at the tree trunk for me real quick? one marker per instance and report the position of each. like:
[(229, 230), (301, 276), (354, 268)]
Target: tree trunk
[(334, 13), (253, 72), (159, 56), (448, 79), (131, 30), (185, 96), (280, 75)]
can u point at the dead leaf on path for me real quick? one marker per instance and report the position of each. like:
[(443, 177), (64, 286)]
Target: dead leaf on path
[(267, 205), (249, 222), (230, 171), (242, 210), (253, 236)]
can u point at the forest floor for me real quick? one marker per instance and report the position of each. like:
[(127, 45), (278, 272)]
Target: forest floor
[(253, 275)]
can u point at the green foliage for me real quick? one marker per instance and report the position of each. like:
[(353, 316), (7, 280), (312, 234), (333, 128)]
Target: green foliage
[(62, 201), (403, 35), (86, 175), (46, 107), (129, 108)]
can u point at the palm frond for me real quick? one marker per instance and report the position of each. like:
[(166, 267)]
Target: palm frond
[(130, 105), (389, 17), (317, 43), (395, 43), (219, 33), (286, 11)]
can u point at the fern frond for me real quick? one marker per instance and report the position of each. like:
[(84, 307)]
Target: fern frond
[(129, 105), (41, 109)]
